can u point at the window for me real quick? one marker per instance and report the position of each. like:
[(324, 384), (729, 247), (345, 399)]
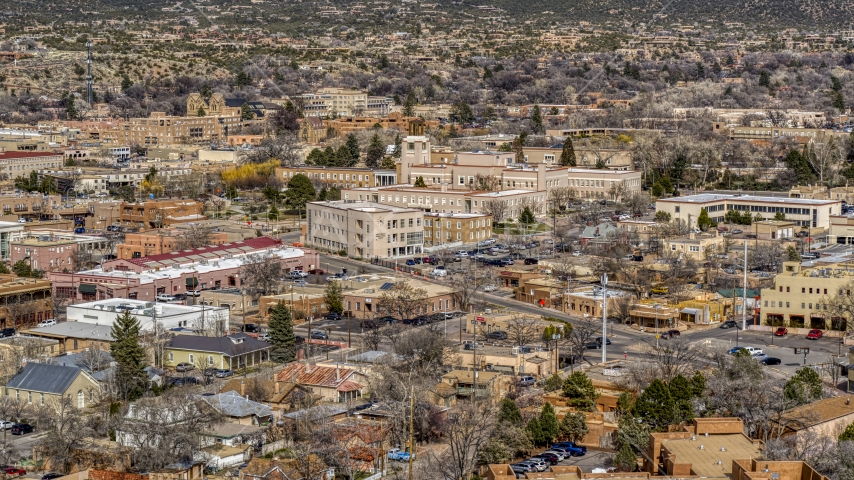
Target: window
[(42, 399), (191, 359), (171, 357), (29, 397)]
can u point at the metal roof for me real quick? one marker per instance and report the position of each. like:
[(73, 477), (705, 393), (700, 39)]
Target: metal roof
[(45, 378), (232, 345), (232, 404)]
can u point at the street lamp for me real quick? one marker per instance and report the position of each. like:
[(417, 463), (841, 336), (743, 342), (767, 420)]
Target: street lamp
[(657, 308)]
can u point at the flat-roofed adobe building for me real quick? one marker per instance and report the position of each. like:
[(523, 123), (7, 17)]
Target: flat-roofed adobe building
[(806, 213)]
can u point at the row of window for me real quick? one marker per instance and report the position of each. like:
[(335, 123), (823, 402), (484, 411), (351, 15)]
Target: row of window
[(472, 223), (473, 235), (804, 305), (330, 176)]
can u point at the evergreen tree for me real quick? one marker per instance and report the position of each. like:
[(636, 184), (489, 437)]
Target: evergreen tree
[(323, 194), (626, 459), (527, 218), (126, 83), (130, 357), (698, 385), (574, 426), (353, 146), (375, 153), (205, 91), (579, 392), (419, 182), (22, 268), (398, 143), (242, 80), (804, 387), (838, 102), (681, 392), (334, 193), (535, 431), (274, 212), (246, 112), (200, 112), (282, 339), (462, 113), (625, 404), (537, 120), (316, 157), (548, 423), (300, 190), (847, 434), (780, 216), (70, 109), (334, 296), (792, 254), (409, 104), (656, 406), (703, 220), (509, 412), (553, 383), (4, 269), (567, 156)]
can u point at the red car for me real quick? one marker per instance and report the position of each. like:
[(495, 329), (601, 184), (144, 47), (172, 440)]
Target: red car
[(316, 271), (815, 334), (781, 332), (14, 471)]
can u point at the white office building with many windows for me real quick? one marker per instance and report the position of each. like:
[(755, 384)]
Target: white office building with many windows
[(803, 212)]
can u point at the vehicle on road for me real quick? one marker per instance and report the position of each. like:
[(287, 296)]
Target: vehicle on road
[(184, 367), (47, 323), (526, 381), (729, 324), (319, 335), (660, 290), (298, 274), (770, 361), (671, 334), (759, 357), (599, 341), (316, 271), (181, 381), (162, 297), (737, 231), (781, 332), (51, 476), (14, 471), (490, 288), (22, 429), (815, 334), (399, 455), (223, 373)]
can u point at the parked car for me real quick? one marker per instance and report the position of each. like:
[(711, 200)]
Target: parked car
[(14, 471), (531, 261), (751, 350), (671, 334), (539, 464), (47, 323), (22, 429), (760, 357), (223, 373), (7, 332), (194, 293), (550, 458), (51, 476), (162, 297), (298, 274), (522, 468), (497, 335), (815, 334), (410, 262), (599, 341), (526, 381), (184, 367), (440, 272), (736, 231), (771, 361), (4, 425), (781, 332), (399, 455), (180, 381), (575, 449), (660, 290), (319, 335), (729, 324), (251, 328), (490, 288), (332, 316), (316, 271), (559, 455)]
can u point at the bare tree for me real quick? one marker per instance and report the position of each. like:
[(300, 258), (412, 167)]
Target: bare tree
[(584, 330), (497, 208), (469, 428), (467, 283), (260, 274), (673, 357), (522, 329), (211, 323), (194, 236), (405, 300), (68, 431), (94, 358)]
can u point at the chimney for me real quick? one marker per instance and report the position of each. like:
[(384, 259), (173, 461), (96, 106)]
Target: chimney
[(277, 386), (242, 388), (337, 373), (307, 368)]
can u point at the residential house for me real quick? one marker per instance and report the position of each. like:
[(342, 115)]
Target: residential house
[(309, 467), (230, 352), (654, 316), (46, 384), (459, 385), (284, 396), (602, 234), (74, 336), (334, 384), (239, 409), (822, 419), (695, 246), (179, 471)]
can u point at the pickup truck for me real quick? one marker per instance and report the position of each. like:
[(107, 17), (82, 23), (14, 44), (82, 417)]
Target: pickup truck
[(298, 274), (162, 297), (573, 449), (399, 455)]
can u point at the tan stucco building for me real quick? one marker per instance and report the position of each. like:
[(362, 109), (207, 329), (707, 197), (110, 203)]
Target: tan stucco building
[(803, 212), (800, 296), (695, 246), (456, 227)]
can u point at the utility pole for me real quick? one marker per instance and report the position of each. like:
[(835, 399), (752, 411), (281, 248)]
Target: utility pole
[(744, 291), (411, 423), (89, 72), (604, 316)]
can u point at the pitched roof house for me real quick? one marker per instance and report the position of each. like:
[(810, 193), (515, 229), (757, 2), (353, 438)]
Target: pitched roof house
[(307, 468), (238, 409), (285, 396), (233, 351), (334, 384), (46, 384)]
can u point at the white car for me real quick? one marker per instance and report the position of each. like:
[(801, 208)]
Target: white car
[(753, 350), (6, 425), (462, 253), (47, 323), (194, 293), (162, 297), (439, 272), (490, 288), (576, 253)]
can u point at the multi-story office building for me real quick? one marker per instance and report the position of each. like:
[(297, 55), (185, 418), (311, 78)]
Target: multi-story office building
[(341, 177), (456, 227), (800, 296), (343, 102), (804, 212), (364, 229), (160, 213), (600, 183), (20, 164)]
